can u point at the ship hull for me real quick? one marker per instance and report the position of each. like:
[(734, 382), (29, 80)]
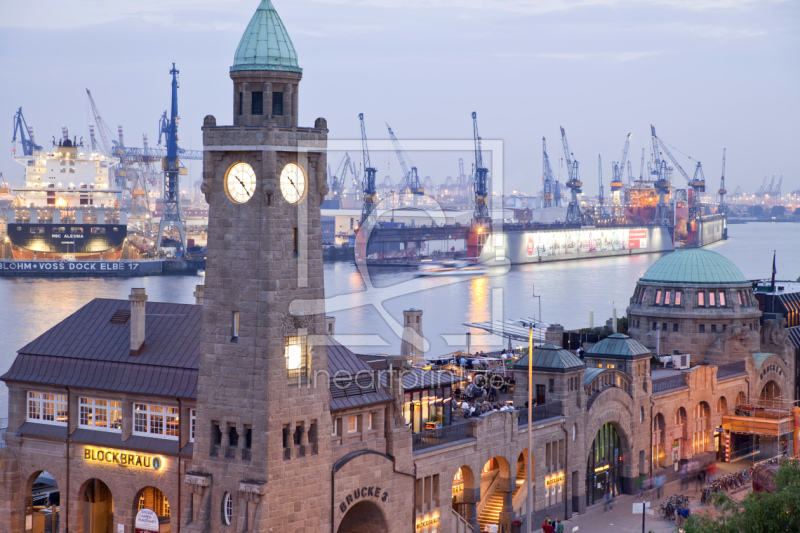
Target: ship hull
[(523, 247), (76, 239)]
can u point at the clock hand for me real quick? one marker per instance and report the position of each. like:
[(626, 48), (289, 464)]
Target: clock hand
[(243, 186), (293, 185)]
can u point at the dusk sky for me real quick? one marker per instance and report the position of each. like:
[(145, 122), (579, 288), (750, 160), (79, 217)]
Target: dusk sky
[(709, 74)]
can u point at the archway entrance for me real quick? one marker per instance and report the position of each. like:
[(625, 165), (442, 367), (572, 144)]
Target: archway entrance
[(43, 504), (152, 498), (363, 517), (98, 507), (604, 467), (770, 395)]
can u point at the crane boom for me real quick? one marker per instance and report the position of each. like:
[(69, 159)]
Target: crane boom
[(618, 167), (574, 216), (25, 135), (410, 179), (547, 177), (102, 128)]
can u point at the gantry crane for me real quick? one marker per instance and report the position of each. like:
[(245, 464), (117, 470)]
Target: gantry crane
[(697, 182), (618, 168), (481, 213), (172, 214), (547, 177), (29, 145), (661, 182), (574, 216), (338, 179), (410, 180), (368, 185)]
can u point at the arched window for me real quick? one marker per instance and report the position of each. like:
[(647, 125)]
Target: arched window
[(227, 509)]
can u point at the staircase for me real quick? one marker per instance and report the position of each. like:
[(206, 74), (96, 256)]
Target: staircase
[(519, 480), (491, 512)]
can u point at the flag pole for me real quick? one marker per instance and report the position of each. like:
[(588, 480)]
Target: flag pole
[(528, 472)]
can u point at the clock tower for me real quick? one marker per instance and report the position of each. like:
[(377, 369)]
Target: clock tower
[(261, 459)]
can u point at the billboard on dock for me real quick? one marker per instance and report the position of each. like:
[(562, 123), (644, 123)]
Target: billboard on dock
[(583, 241)]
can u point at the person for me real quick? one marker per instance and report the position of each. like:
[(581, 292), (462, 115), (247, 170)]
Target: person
[(558, 526), (640, 482), (659, 485), (546, 525), (607, 501)]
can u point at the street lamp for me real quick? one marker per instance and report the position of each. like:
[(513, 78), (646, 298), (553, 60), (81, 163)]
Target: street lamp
[(539, 297)]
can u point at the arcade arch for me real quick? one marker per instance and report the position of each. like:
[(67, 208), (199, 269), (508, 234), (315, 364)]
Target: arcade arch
[(363, 517), (659, 441), (722, 405), (681, 423), (44, 505), (152, 498), (97, 507), (701, 436)]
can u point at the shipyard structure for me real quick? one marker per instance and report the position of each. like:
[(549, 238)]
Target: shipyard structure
[(242, 413)]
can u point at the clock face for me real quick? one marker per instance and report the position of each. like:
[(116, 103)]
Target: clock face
[(240, 182), (293, 183)]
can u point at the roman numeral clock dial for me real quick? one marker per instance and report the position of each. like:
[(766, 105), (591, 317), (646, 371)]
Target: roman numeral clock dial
[(240, 183), (293, 183)]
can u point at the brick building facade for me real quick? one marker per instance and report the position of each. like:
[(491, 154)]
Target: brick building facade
[(242, 413)]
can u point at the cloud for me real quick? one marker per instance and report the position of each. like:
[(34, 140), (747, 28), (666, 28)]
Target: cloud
[(595, 57), (533, 7)]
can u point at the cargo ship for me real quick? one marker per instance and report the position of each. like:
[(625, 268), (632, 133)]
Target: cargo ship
[(67, 208)]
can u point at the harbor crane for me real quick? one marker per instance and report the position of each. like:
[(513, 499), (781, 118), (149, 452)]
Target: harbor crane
[(661, 182), (641, 167), (600, 197), (340, 177), (630, 172), (410, 180), (547, 177), (172, 215), (574, 216), (368, 185), (481, 213), (29, 145), (697, 182), (618, 169), (722, 191)]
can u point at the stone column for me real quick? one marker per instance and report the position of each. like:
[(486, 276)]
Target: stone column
[(287, 105)]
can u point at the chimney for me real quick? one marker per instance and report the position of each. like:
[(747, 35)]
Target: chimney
[(554, 335), (413, 344), (330, 325), (199, 293), (138, 298)]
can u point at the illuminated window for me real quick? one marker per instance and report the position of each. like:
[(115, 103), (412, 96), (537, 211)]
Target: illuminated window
[(369, 421), (701, 299), (193, 419), (722, 299), (334, 432), (711, 299), (100, 414), (352, 424), (739, 293), (658, 297), (677, 297), (47, 408), (667, 298), (155, 421), (296, 353)]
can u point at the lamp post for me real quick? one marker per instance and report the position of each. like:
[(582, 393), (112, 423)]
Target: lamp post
[(528, 481), (538, 297)]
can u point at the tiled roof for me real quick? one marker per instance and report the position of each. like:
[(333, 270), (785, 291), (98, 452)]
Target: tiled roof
[(550, 358), (87, 349), (694, 265), (592, 373), (618, 345), (352, 381), (265, 44), (794, 336)]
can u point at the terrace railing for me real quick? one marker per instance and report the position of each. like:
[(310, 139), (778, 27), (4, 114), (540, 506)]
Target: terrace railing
[(443, 435), (541, 412)]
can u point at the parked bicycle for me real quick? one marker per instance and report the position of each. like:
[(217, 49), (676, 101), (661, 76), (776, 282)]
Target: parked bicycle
[(731, 481), (668, 508)]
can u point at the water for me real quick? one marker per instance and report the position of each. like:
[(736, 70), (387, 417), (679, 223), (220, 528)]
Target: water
[(369, 321)]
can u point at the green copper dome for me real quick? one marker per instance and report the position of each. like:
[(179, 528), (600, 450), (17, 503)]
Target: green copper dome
[(694, 265), (266, 44)]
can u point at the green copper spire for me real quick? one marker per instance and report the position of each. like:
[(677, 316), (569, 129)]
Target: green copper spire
[(265, 44)]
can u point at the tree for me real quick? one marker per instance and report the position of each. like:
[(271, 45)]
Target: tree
[(759, 512)]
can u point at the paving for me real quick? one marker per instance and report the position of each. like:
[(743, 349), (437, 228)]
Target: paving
[(622, 520)]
